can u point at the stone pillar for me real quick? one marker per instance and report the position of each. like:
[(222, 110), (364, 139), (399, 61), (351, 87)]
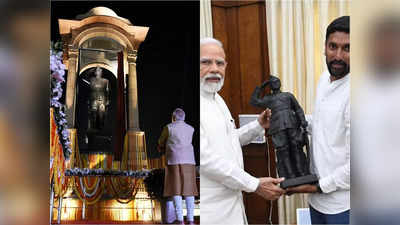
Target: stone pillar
[(71, 86), (133, 107), (137, 157)]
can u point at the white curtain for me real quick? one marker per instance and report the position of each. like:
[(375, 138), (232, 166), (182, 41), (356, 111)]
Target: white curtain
[(296, 37), (205, 19), (296, 43)]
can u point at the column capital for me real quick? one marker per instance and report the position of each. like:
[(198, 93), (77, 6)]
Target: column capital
[(132, 55), (73, 53)]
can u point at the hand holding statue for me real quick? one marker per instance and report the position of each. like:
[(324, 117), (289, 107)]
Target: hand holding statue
[(264, 118), (268, 188)]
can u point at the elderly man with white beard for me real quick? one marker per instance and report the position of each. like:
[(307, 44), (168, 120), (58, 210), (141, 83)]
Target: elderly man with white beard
[(221, 160)]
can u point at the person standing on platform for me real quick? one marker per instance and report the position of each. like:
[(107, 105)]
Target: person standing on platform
[(180, 172)]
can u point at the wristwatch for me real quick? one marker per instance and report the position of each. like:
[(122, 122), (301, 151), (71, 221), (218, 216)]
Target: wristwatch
[(319, 190)]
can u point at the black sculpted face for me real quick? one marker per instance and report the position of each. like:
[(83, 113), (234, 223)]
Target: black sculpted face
[(275, 83)]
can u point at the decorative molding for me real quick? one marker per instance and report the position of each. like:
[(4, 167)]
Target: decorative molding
[(132, 56), (111, 31), (72, 53)]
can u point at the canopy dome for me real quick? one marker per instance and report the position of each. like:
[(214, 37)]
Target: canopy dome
[(102, 11)]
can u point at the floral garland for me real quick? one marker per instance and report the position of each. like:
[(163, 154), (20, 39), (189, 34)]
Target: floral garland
[(57, 71), (89, 195), (82, 172), (123, 193)]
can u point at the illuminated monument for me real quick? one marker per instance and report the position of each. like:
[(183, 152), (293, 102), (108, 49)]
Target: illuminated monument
[(101, 42)]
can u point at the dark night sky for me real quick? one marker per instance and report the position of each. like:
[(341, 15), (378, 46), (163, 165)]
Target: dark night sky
[(167, 63)]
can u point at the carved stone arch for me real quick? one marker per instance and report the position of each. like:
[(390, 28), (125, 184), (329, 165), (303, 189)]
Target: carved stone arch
[(111, 32), (93, 65)]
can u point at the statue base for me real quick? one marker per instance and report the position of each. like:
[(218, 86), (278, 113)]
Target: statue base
[(308, 179)]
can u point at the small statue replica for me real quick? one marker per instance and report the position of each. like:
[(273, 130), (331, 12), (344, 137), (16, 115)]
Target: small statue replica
[(288, 131), (98, 100)]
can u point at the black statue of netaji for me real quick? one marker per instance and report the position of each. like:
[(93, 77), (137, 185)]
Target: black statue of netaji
[(99, 100), (288, 132)]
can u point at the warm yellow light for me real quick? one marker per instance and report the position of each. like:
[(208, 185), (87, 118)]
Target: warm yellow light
[(144, 206), (196, 212), (69, 209), (122, 212), (126, 214)]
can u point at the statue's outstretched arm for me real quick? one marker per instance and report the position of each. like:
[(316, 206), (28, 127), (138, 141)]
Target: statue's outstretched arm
[(263, 85), (255, 100)]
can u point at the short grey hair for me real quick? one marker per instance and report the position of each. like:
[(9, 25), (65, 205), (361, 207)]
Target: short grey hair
[(210, 40), (179, 114)]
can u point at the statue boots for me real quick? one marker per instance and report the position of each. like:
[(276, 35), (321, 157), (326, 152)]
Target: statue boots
[(284, 163), (300, 162)]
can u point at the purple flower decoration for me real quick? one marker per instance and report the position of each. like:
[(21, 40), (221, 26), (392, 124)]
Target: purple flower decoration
[(57, 73)]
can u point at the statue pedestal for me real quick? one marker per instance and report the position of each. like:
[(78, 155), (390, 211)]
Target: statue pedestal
[(309, 179), (98, 142)]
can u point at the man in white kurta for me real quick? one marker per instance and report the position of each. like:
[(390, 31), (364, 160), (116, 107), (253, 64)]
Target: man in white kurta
[(330, 131), (331, 145), (221, 161)]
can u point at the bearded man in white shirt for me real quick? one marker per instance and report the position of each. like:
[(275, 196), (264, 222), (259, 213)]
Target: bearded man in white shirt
[(222, 177), (330, 131)]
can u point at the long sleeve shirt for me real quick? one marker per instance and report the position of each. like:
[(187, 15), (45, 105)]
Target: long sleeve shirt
[(221, 162), (330, 136)]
